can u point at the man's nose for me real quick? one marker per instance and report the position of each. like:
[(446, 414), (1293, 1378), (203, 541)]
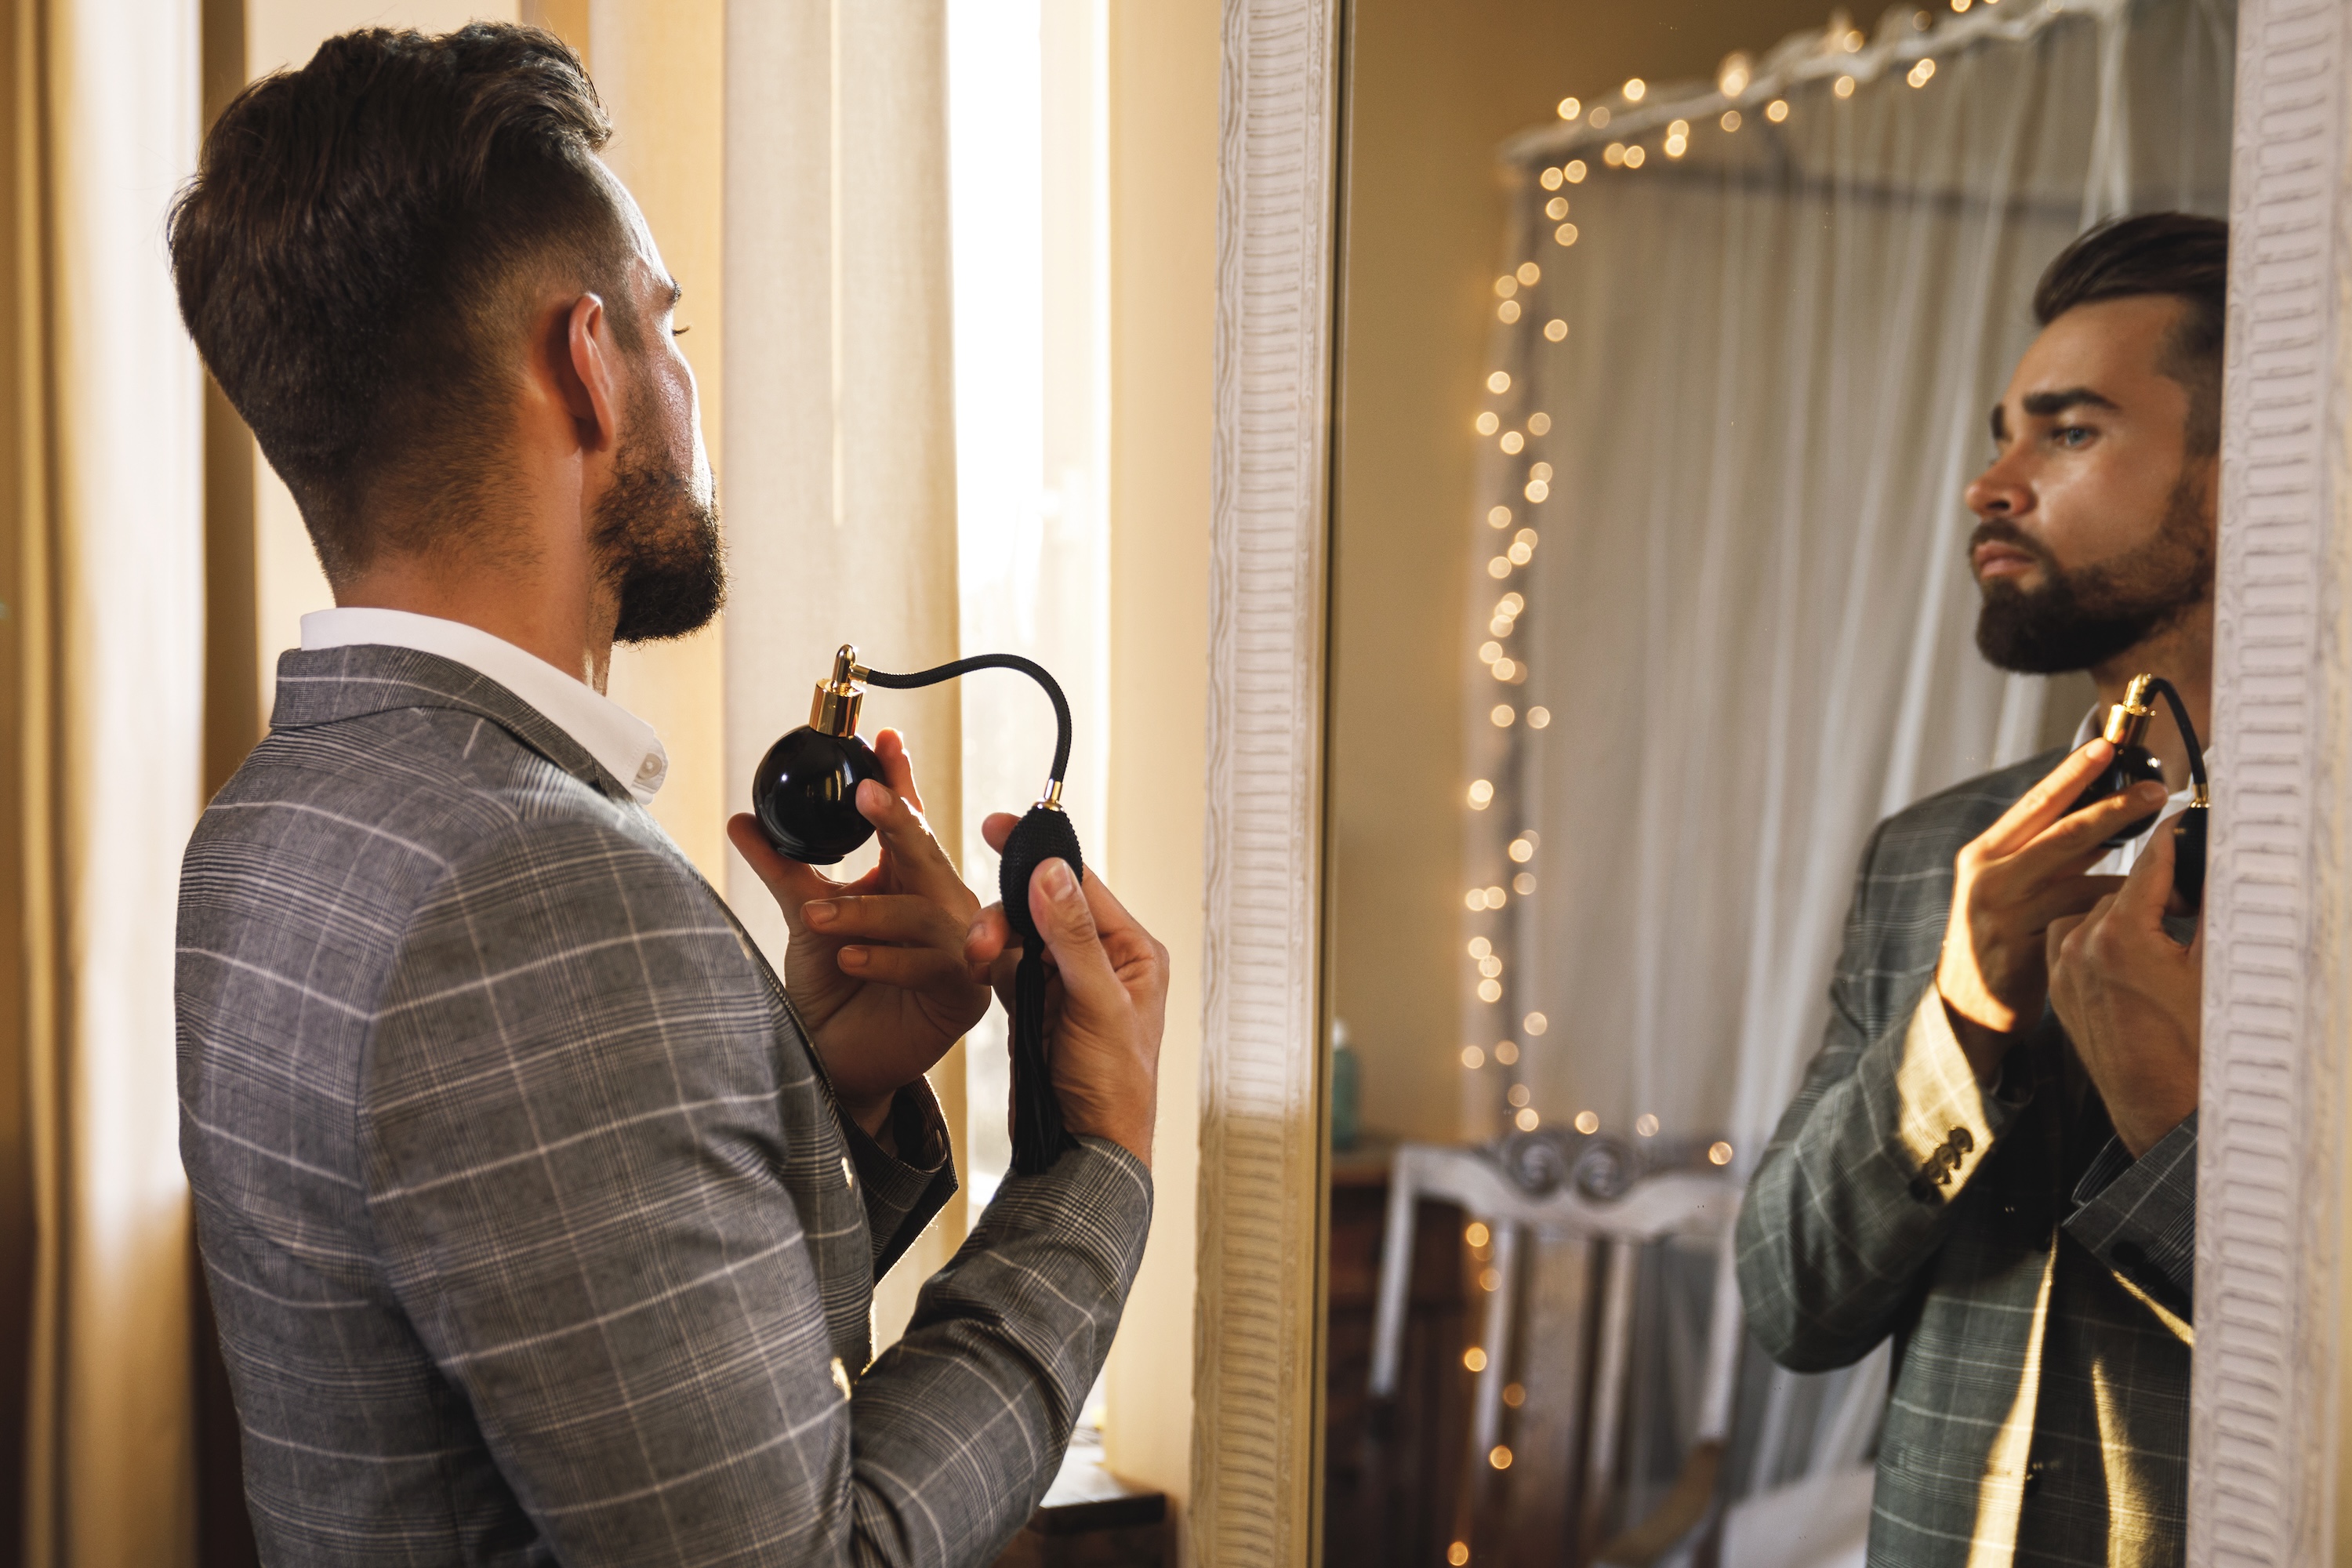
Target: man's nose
[(1998, 492)]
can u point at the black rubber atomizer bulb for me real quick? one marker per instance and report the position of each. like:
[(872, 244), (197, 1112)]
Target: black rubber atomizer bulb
[(804, 795)]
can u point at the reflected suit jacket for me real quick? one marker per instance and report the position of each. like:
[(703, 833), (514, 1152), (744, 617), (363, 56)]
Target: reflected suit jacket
[(2035, 1279), (533, 1231)]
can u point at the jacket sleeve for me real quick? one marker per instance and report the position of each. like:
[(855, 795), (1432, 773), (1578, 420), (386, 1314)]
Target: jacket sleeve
[(1855, 1192), (2139, 1216), (574, 1162)]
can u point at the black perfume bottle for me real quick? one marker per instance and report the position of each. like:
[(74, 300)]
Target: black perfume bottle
[(804, 791), (2133, 764), (2126, 728), (804, 795)]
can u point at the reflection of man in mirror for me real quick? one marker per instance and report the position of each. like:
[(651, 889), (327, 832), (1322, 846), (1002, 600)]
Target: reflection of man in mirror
[(540, 1217), (1993, 1158)]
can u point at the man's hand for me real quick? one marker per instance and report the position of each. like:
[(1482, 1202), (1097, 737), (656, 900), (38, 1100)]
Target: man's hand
[(1106, 999), (2008, 884), (2132, 1000), (875, 967)]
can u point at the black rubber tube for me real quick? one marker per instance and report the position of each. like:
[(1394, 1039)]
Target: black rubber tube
[(1027, 666)]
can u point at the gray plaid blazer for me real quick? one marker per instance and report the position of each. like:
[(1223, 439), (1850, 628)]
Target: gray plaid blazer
[(2035, 1279), (533, 1231)]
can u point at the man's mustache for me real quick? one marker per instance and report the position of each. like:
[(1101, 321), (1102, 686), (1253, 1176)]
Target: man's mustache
[(2001, 531)]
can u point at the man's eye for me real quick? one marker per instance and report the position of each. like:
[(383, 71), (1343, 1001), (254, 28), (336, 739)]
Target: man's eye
[(2073, 434), (679, 331)]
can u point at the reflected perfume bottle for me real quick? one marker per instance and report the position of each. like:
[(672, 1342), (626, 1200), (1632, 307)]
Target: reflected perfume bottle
[(2134, 764)]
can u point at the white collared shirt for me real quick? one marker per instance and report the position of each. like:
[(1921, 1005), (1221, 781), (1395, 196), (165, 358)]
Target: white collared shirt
[(624, 744), (2119, 862)]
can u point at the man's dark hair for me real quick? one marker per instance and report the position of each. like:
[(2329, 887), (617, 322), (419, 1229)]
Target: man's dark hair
[(355, 254), (2179, 253)]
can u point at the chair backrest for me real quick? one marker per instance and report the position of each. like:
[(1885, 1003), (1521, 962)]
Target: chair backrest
[(1572, 1222)]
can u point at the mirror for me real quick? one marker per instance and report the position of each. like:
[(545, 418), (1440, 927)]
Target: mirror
[(1652, 410)]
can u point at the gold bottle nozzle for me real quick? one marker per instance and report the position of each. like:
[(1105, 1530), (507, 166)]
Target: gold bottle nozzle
[(2127, 720), (839, 697)]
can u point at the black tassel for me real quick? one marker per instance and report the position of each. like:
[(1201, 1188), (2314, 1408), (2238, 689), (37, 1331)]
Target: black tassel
[(1038, 1136)]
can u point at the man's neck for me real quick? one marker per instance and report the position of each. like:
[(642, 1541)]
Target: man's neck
[(564, 621), (2183, 654)]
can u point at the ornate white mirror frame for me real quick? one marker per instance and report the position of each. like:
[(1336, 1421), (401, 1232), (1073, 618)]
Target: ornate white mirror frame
[(1255, 1471), (2267, 1408), (2268, 1405)]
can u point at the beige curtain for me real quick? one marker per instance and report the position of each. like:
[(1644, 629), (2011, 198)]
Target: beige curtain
[(840, 441), (104, 710)]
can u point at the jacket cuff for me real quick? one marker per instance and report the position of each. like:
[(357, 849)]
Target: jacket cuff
[(903, 1192), (2139, 1216), (1945, 1122)]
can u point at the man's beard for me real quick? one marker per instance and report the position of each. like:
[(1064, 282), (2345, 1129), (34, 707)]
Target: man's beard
[(2084, 618), (657, 544)]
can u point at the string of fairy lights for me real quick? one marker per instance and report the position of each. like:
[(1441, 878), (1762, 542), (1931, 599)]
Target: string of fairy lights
[(1497, 909), (1502, 1013)]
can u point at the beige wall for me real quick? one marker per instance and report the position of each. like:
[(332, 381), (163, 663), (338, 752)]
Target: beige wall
[(1433, 88), (1164, 61)]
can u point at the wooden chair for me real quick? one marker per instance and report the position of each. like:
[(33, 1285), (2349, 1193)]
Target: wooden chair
[(1591, 1200)]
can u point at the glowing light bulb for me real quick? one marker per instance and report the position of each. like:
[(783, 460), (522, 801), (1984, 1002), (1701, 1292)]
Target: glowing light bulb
[(1490, 991), (1476, 1234), (1842, 87), (1499, 567), (1574, 170), (1599, 117), (1534, 1024), (1538, 424), (1522, 851), (1636, 155), (1587, 1123), (1512, 441), (1777, 110), (1528, 1120), (1720, 1154), (1480, 947), (1537, 489), (1633, 89), (1646, 1125), (1564, 235), (1473, 1057), (1556, 329), (1508, 312), (1506, 286), (1500, 517), (1921, 73), (1507, 1051), (1525, 882), (1489, 652), (1538, 718), (1499, 382), (1556, 208), (1530, 274), (1731, 78), (1474, 1359), (1730, 121), (1548, 179), (1487, 424), (1570, 109), (1502, 715)]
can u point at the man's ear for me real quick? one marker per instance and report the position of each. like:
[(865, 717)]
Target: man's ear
[(585, 370)]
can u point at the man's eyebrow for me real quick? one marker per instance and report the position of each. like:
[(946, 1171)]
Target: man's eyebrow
[(677, 292), (2000, 425), (2043, 405)]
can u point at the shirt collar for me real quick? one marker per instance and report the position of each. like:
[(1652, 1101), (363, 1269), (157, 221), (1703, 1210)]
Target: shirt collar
[(623, 744)]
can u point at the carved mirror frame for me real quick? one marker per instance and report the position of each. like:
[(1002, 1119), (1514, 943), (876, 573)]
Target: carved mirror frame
[(2273, 1209)]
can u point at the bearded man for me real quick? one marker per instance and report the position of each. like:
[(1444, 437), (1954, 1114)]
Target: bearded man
[(2006, 1192), (540, 1219)]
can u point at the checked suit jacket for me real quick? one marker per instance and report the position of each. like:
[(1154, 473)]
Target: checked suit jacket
[(2036, 1280), (531, 1229)]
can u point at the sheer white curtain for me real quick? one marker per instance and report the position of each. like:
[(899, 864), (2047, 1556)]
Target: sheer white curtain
[(1748, 363)]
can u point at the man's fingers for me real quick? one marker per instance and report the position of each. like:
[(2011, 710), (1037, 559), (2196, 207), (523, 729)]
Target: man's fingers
[(2074, 896), (997, 829), (2046, 802), (907, 919), (793, 883), (2082, 833), (990, 935), (909, 968), (2053, 939), (921, 864), (897, 767), (1059, 907)]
